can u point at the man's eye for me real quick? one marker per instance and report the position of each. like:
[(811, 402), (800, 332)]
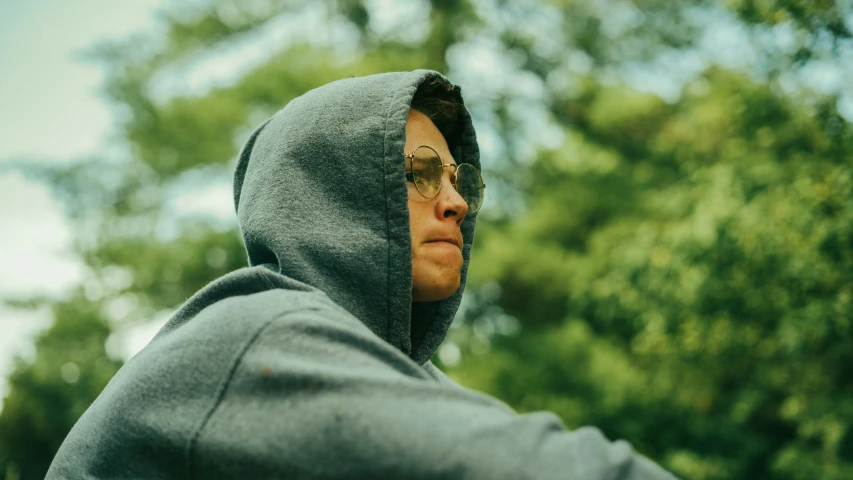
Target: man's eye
[(421, 172)]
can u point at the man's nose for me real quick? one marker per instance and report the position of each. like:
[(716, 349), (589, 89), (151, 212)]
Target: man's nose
[(451, 203)]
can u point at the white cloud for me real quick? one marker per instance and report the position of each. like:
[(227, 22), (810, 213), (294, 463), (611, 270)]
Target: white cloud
[(725, 40), (127, 341), (406, 21), (34, 256), (223, 64), (215, 200)]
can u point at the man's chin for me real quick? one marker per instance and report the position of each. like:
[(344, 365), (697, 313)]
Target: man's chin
[(435, 292)]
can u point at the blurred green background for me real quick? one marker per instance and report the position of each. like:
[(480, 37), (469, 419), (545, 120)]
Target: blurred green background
[(666, 250)]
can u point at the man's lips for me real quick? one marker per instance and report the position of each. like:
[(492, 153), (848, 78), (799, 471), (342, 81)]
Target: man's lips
[(450, 240)]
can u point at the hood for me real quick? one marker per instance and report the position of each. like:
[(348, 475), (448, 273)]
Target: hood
[(321, 198)]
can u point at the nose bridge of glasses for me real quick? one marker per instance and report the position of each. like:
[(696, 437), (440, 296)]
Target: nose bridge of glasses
[(452, 175)]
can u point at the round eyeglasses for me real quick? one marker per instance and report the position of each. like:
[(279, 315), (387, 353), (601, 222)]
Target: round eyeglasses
[(425, 171)]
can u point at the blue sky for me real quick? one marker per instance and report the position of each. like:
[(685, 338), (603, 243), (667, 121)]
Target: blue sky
[(50, 109), (50, 102)]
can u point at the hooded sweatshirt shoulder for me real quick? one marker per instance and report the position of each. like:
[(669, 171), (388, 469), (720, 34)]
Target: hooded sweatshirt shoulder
[(306, 364)]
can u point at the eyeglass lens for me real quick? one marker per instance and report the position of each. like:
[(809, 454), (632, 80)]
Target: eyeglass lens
[(427, 173)]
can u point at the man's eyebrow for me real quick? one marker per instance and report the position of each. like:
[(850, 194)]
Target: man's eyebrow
[(445, 158), (442, 157)]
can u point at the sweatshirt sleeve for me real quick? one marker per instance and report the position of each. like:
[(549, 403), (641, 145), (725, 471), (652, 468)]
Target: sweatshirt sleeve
[(317, 395)]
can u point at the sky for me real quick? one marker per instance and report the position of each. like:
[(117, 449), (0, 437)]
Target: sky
[(50, 110)]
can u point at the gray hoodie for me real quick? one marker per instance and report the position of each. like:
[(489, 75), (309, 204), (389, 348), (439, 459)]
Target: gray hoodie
[(306, 364)]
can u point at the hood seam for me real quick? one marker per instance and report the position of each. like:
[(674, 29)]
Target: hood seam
[(389, 327), (388, 244)]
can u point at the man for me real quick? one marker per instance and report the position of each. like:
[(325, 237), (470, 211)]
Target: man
[(356, 203)]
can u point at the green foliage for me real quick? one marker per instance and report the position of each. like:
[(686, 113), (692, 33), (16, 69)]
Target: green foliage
[(49, 394), (705, 315), (675, 272), (809, 16)]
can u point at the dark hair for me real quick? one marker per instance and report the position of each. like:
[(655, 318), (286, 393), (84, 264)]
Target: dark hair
[(442, 103)]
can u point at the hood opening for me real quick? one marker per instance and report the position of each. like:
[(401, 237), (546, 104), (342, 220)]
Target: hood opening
[(320, 192)]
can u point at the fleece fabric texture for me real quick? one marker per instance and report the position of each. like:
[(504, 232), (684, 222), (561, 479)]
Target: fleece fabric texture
[(313, 363)]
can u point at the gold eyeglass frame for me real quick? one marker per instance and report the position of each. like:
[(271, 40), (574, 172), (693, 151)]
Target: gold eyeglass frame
[(411, 177)]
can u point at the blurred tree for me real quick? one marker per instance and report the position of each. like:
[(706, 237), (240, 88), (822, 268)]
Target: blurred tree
[(674, 270), (685, 281), (48, 395)]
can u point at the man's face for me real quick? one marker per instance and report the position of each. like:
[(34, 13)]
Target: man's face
[(436, 260)]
